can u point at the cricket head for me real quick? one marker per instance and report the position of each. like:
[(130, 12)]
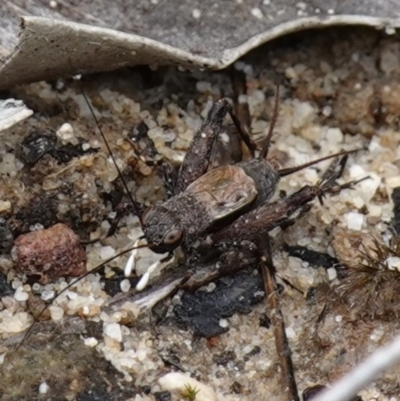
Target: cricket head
[(162, 229)]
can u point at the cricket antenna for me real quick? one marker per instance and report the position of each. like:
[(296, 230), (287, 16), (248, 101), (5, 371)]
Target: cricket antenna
[(267, 143), (136, 207), (290, 170), (95, 270)]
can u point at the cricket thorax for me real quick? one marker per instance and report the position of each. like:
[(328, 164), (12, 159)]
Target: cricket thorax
[(174, 223)]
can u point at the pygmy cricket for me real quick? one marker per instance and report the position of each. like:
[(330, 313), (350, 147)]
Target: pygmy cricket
[(205, 203)]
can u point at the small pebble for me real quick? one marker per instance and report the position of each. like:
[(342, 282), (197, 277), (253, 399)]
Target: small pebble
[(107, 252), (203, 86), (290, 73), (256, 12), (141, 354), (113, 330), (36, 227), (377, 334), (393, 263), (223, 323), (16, 284), (196, 13), (56, 312), (338, 318), (125, 285), (91, 342), (327, 111), (393, 182), (355, 221), (53, 252), (303, 114), (72, 295), (116, 317), (43, 388), (47, 295), (389, 30), (169, 136), (374, 211), (66, 133), (301, 5), (5, 205), (21, 295), (332, 274), (290, 332), (131, 307), (358, 202), (14, 324), (334, 135), (176, 300)]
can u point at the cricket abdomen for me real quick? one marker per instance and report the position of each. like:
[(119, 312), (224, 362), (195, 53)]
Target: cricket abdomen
[(265, 178)]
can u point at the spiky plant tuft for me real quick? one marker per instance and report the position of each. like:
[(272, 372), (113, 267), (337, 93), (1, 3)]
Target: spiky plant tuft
[(372, 285), (190, 392)]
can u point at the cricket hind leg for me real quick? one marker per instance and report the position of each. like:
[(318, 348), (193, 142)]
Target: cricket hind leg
[(227, 152), (198, 157), (268, 216), (241, 109), (267, 141), (228, 149)]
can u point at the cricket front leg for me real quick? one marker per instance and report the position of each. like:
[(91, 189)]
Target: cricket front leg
[(147, 152), (169, 177)]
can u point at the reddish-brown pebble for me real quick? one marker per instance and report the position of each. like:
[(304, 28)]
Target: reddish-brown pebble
[(50, 253)]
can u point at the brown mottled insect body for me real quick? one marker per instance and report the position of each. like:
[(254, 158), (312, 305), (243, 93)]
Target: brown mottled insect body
[(205, 199), (232, 198)]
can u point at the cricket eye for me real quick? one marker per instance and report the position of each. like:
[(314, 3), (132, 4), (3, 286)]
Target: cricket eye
[(172, 237), (146, 215)]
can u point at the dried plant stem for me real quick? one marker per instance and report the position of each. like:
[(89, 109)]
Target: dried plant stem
[(363, 374), (281, 342)]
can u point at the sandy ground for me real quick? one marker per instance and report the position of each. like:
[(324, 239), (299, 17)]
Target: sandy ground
[(339, 90)]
